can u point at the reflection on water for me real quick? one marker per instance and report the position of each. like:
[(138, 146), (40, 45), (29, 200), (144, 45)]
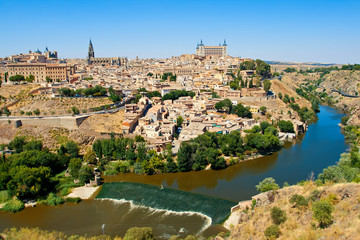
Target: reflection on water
[(319, 148)]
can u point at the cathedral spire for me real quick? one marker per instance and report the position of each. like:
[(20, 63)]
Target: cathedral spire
[(91, 53)]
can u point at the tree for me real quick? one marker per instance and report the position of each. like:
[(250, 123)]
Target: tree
[(179, 121), (267, 184), (185, 157), (322, 213), (30, 78), (36, 112), (139, 233), (264, 125), (72, 149), (74, 167), (344, 120), (242, 111), (17, 144), (267, 85), (272, 232), (278, 216), (98, 148), (280, 95), (90, 157), (251, 85), (7, 112), (75, 110), (263, 110), (224, 105), (286, 126), (85, 174), (139, 138), (33, 145), (48, 79), (298, 200), (263, 69), (17, 78)]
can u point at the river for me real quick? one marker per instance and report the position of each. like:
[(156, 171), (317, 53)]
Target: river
[(320, 147)]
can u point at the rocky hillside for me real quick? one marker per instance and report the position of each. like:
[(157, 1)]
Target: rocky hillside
[(348, 82), (299, 221)]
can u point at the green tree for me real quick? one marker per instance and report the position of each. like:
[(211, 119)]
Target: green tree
[(267, 184), (7, 112), (139, 138), (179, 121), (97, 148), (90, 157), (272, 232), (33, 145), (85, 174), (36, 112), (17, 78), (75, 110), (322, 213), (185, 157), (251, 84), (278, 216), (263, 110), (286, 126), (74, 167), (17, 144), (267, 85), (263, 69), (139, 233), (298, 200), (264, 125)]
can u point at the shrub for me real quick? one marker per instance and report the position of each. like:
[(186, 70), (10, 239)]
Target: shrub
[(14, 205), (53, 200), (4, 196), (344, 120), (272, 231), (267, 184), (73, 200), (139, 233), (65, 192), (322, 213), (298, 200), (315, 195), (278, 216), (253, 204)]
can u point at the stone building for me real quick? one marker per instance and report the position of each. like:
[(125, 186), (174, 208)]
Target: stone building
[(104, 61), (213, 51), (40, 71)]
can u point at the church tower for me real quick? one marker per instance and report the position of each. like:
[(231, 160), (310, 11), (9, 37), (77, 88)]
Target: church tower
[(91, 53)]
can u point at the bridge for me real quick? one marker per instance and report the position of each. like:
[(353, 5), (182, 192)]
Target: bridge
[(344, 94)]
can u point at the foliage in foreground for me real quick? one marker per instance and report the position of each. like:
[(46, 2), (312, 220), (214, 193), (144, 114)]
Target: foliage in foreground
[(272, 231), (322, 213), (14, 205), (267, 184)]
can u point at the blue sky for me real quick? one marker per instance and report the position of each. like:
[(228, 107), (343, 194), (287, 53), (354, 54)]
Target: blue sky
[(304, 31)]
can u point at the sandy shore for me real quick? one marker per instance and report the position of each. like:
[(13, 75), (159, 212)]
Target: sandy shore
[(83, 192)]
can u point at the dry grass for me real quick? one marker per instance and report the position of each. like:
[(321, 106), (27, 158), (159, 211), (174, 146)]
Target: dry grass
[(300, 223)]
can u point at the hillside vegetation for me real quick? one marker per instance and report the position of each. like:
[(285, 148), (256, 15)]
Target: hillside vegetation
[(299, 221)]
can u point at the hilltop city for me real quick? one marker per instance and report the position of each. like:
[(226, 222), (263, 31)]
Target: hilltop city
[(155, 94)]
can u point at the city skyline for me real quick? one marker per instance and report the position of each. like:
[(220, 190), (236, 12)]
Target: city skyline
[(305, 31)]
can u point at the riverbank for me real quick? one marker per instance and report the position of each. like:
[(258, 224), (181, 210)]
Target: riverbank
[(84, 192)]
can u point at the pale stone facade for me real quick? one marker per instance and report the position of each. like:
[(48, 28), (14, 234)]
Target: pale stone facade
[(214, 51), (41, 71)]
